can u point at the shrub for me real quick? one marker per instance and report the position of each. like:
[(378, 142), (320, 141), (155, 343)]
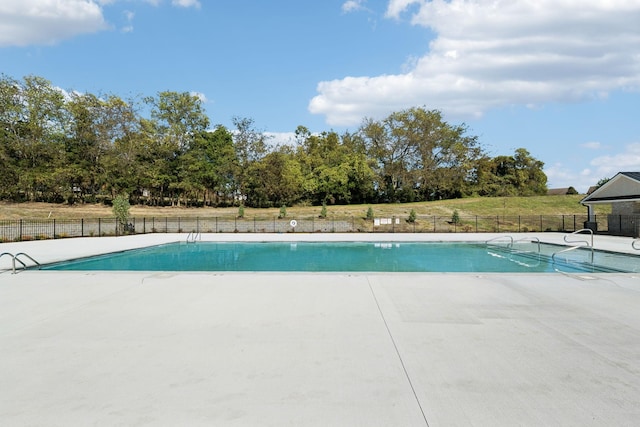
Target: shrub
[(283, 211), (455, 218), (412, 216), (370, 213), (241, 211), (121, 208), (323, 211)]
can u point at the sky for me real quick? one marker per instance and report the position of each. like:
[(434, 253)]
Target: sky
[(560, 78)]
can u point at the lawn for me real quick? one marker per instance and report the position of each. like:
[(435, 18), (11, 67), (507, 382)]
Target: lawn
[(478, 206)]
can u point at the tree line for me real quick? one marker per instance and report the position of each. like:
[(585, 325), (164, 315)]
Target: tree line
[(72, 147)]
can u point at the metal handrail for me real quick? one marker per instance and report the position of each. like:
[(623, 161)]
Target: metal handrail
[(193, 236), (581, 241), (633, 244), (15, 258), (6, 253), (27, 256), (588, 245), (501, 237), (533, 239)]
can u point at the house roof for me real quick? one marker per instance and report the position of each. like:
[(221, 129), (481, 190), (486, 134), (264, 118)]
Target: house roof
[(624, 186), (632, 175), (557, 191)]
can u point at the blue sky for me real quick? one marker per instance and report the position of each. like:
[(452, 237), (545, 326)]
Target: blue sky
[(560, 78)]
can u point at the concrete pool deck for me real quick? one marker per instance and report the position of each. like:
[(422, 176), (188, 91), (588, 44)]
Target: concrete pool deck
[(343, 349)]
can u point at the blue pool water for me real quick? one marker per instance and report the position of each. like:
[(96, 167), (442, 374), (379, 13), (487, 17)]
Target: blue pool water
[(350, 257)]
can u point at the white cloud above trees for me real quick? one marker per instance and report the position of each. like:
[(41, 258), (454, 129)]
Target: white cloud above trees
[(495, 53), (26, 22), (38, 22)]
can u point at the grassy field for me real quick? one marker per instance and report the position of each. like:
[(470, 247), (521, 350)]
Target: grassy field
[(487, 206)]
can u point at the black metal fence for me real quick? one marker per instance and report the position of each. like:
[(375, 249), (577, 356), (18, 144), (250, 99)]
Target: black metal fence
[(20, 230)]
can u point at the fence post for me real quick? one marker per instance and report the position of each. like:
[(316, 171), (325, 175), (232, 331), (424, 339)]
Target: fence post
[(254, 223), (82, 227), (20, 231), (54, 228), (541, 223), (434, 223), (144, 225), (99, 227), (476, 223), (498, 223)]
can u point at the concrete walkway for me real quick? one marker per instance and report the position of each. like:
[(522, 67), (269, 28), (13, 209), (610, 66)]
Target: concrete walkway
[(314, 349)]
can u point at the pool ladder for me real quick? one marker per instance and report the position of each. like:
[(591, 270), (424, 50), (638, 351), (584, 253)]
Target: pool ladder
[(577, 244), (193, 237), (16, 257), (507, 243)]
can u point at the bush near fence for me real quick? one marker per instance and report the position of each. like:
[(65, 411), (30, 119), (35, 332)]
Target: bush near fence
[(20, 230)]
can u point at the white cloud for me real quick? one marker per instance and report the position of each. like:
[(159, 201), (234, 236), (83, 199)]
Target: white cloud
[(495, 53), (201, 96), (43, 22), (25, 22), (594, 145), (129, 17), (186, 3), (627, 160), (352, 6), (281, 138)]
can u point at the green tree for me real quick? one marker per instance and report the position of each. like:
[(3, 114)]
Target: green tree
[(208, 166), (10, 114), (418, 156), (99, 147), (37, 135), (335, 167), (122, 158), (275, 180), (250, 145), (517, 175), (120, 209), (178, 117)]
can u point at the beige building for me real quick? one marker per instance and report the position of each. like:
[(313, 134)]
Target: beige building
[(622, 192)]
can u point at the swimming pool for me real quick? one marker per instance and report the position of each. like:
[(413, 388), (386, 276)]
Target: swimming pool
[(353, 257)]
